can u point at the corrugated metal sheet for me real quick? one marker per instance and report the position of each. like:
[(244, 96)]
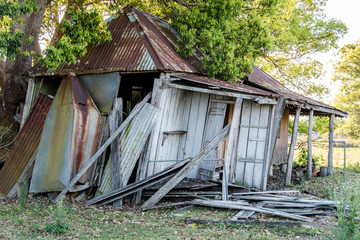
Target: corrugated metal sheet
[(261, 78), (71, 136), (26, 144), (132, 142), (219, 84), (102, 88), (140, 42)]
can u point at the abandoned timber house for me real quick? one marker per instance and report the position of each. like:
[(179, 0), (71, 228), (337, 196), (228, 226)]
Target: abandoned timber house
[(71, 111)]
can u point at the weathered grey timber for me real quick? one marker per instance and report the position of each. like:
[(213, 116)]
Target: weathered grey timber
[(187, 168), (260, 100), (230, 154), (266, 192), (310, 161), (279, 111), (89, 163), (243, 214), (135, 187), (167, 205), (292, 147), (115, 119), (233, 205), (331, 145), (246, 222)]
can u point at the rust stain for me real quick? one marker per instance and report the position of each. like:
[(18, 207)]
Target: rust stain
[(25, 145)]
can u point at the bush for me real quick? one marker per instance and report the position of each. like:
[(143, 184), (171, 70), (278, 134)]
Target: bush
[(348, 207), (59, 225)]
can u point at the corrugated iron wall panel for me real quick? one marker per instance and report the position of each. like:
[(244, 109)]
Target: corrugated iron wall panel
[(132, 142), (26, 144), (73, 130)]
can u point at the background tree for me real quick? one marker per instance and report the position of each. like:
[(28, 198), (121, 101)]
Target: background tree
[(347, 71)]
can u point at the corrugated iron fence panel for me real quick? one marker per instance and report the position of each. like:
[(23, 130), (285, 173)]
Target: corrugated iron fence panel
[(25, 145)]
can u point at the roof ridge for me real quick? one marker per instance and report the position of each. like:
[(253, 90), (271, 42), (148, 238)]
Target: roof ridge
[(130, 10)]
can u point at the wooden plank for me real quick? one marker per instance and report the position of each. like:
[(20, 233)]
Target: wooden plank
[(196, 126), (187, 169), (115, 119), (167, 205), (310, 161), (331, 145), (256, 98), (226, 205), (89, 163), (278, 113), (246, 222), (243, 214), (158, 99), (134, 187), (292, 147), (266, 192), (214, 123), (231, 149)]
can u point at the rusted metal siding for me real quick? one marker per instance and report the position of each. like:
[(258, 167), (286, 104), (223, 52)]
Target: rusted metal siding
[(71, 136), (140, 42), (26, 144)]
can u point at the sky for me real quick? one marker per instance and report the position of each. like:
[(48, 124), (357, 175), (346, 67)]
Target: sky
[(348, 11)]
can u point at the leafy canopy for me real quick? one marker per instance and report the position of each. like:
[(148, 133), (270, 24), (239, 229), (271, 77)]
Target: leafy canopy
[(232, 35), (299, 30), (347, 71), (11, 40)]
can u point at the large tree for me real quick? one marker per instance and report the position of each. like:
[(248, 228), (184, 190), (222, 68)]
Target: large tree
[(348, 99), (232, 35)]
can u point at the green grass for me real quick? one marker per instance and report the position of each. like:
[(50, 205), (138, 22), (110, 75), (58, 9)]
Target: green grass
[(109, 223)]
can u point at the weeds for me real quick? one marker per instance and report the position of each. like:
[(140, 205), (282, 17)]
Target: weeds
[(354, 167), (59, 225), (348, 207)]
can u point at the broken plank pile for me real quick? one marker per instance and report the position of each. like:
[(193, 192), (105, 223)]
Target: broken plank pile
[(274, 203)]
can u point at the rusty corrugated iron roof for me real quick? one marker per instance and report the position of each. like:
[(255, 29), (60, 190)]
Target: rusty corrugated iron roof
[(260, 78), (25, 145), (140, 42), (238, 87)]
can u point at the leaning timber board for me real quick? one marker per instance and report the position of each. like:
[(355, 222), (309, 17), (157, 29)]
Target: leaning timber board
[(214, 123), (252, 143)]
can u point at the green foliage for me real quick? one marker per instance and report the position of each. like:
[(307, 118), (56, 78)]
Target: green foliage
[(59, 224), (347, 71), (303, 157), (85, 27), (354, 167), (320, 125), (230, 34), (299, 29), (11, 13), (348, 199)]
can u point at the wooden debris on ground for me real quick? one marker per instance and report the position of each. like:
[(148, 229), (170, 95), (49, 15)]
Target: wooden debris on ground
[(271, 203), (247, 222)]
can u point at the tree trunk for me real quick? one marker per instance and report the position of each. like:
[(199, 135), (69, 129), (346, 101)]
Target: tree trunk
[(15, 85)]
